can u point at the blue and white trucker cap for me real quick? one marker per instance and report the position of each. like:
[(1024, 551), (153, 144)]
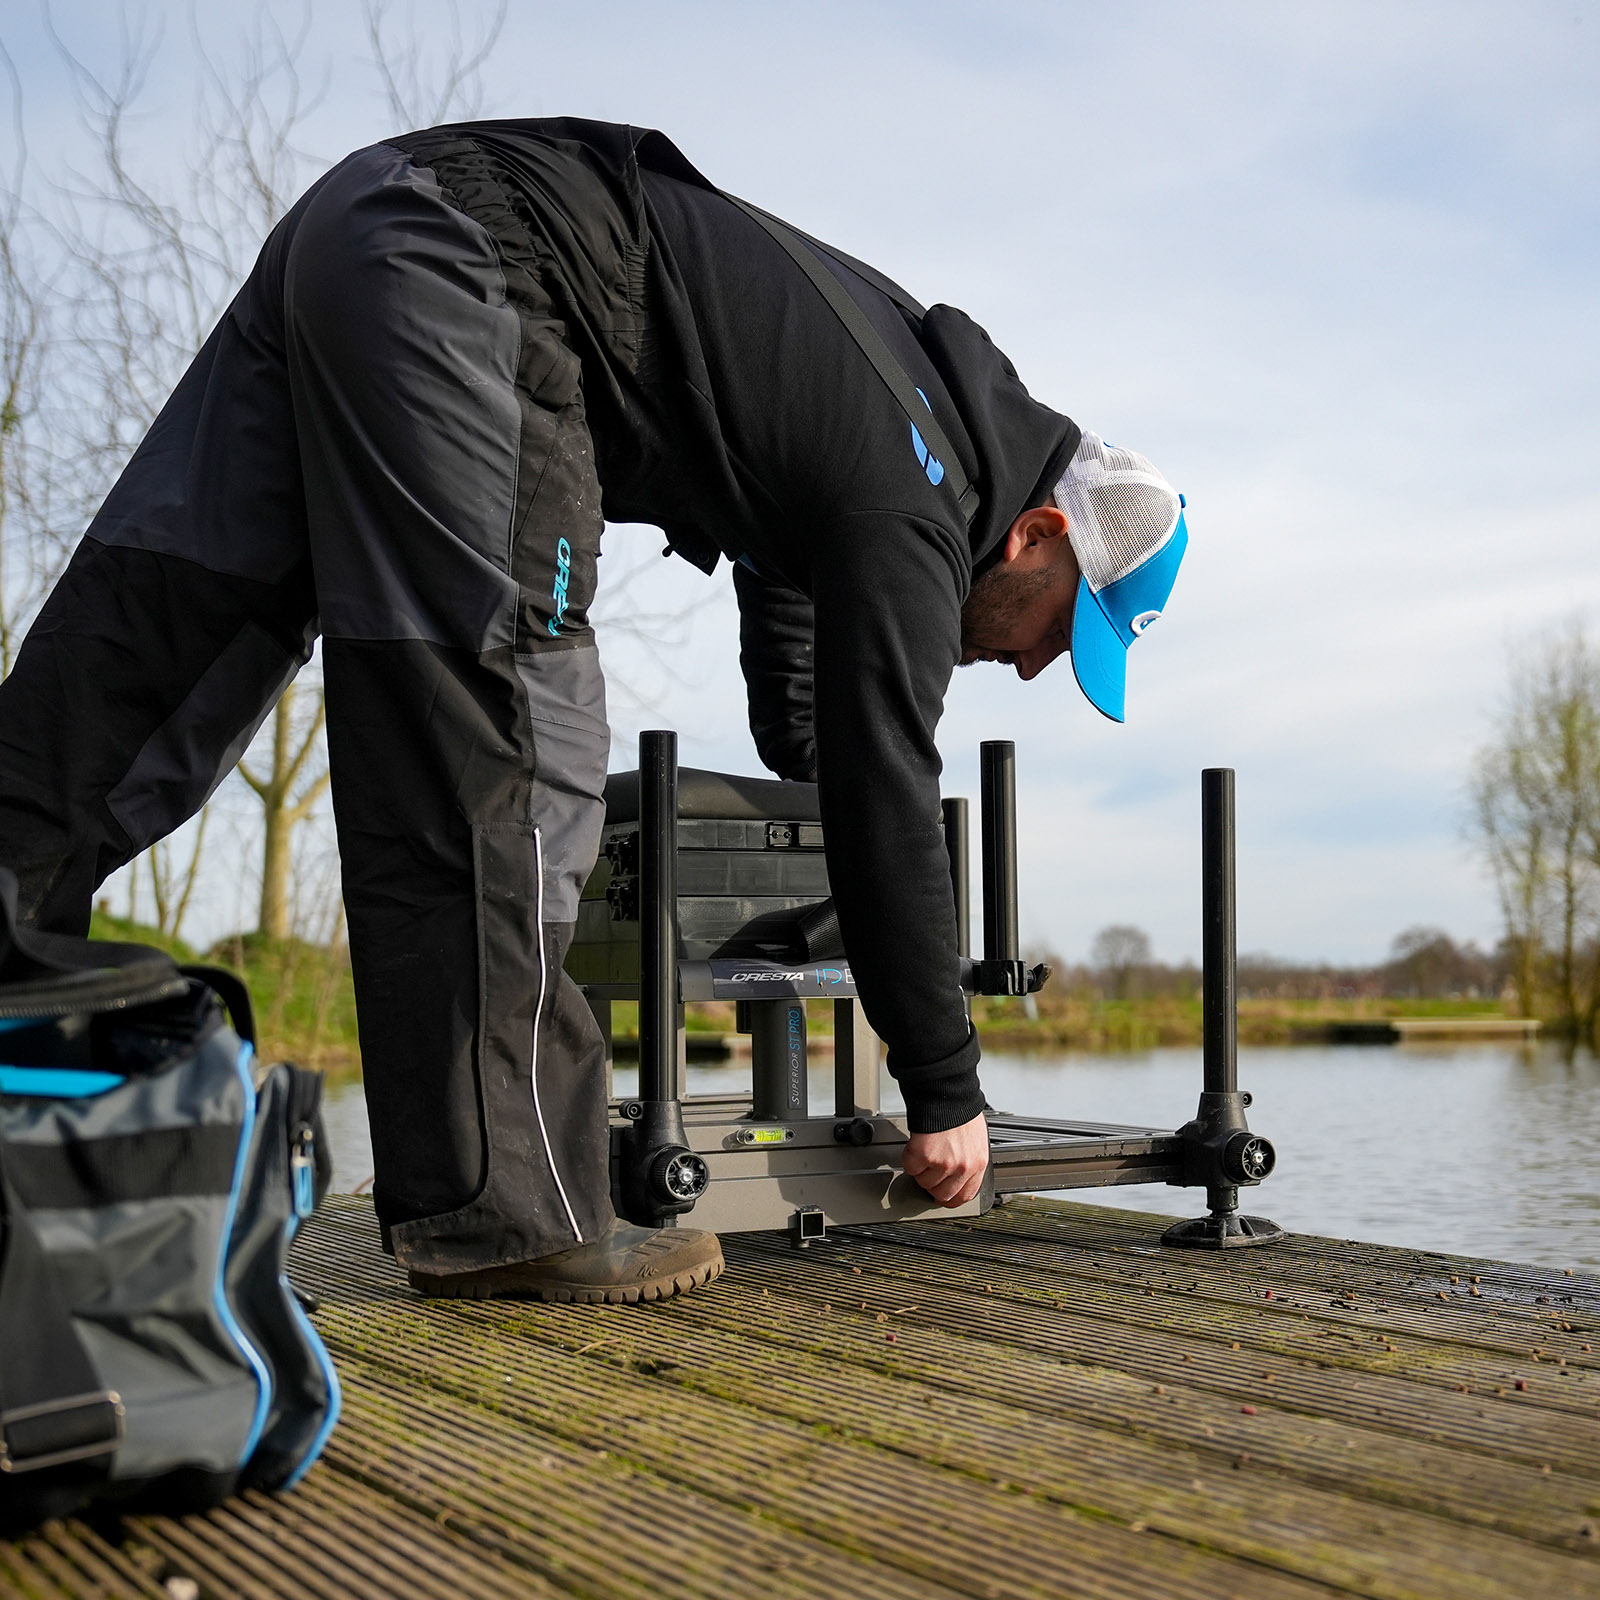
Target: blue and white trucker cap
[(1126, 525)]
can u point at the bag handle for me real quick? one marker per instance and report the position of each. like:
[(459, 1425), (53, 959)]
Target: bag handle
[(230, 989)]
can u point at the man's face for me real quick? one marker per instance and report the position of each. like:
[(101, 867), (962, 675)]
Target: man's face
[(1019, 612)]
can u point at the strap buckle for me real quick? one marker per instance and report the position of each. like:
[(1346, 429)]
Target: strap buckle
[(54, 1432)]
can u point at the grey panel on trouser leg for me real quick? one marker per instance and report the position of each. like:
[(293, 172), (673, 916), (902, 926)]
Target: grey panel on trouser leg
[(181, 764), (571, 743)]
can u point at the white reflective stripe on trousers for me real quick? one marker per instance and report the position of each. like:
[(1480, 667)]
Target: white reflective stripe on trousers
[(538, 1014)]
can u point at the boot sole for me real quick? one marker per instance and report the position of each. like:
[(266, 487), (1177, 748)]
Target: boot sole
[(492, 1286)]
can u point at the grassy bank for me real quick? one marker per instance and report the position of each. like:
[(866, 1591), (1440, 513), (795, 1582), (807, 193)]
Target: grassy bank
[(1087, 1022), (304, 1000)]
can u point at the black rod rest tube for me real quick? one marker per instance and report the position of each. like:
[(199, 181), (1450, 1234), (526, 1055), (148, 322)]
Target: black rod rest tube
[(1219, 932), (1219, 1150), (664, 1178), (998, 782), (1001, 971), (658, 900), (957, 845)]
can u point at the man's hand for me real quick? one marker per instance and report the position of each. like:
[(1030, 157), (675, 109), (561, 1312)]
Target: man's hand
[(950, 1165)]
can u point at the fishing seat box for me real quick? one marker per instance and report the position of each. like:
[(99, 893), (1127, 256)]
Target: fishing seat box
[(750, 865)]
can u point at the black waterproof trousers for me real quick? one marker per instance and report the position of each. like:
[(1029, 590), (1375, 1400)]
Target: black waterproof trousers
[(384, 440)]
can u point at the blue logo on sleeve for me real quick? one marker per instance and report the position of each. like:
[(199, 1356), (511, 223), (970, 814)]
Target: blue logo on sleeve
[(931, 464)]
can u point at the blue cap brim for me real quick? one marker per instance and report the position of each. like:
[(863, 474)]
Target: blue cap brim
[(1099, 657)]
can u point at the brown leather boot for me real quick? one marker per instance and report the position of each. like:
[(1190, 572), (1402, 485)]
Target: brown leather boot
[(624, 1265)]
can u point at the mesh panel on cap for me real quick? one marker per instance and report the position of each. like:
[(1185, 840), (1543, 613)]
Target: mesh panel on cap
[(1120, 510)]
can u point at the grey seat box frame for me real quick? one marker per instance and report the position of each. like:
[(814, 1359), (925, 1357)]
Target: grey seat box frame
[(710, 886)]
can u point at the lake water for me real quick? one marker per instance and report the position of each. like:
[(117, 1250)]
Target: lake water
[(1474, 1149)]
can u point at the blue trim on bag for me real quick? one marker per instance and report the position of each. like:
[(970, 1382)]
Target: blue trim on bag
[(314, 1339), (329, 1377), (59, 1083), (230, 1322)]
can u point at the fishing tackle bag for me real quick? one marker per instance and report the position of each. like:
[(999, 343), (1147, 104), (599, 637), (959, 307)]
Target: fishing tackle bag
[(152, 1174)]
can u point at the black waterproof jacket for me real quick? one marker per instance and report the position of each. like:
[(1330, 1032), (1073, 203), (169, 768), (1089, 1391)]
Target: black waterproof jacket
[(730, 407)]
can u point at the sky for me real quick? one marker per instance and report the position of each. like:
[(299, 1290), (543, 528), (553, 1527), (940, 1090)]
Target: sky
[(1333, 268)]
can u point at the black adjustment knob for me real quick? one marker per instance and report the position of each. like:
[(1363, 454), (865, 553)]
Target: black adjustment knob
[(857, 1131), (1248, 1158), (677, 1175)]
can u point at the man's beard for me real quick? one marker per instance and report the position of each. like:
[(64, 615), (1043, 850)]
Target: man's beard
[(994, 601)]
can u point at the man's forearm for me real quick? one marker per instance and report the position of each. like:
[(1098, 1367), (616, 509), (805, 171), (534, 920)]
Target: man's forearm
[(776, 627)]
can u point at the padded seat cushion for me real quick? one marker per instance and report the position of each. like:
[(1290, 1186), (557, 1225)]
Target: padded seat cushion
[(719, 796)]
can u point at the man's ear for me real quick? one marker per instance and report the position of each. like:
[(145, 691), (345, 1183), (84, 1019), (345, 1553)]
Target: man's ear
[(1036, 531)]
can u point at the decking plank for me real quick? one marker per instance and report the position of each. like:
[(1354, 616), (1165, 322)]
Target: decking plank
[(1433, 1294), (1191, 1495), (1458, 1321), (1312, 1385), (1088, 1225), (1533, 1502), (957, 1264), (802, 1479)]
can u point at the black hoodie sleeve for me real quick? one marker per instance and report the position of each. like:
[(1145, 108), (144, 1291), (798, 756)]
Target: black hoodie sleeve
[(775, 629), (888, 589)]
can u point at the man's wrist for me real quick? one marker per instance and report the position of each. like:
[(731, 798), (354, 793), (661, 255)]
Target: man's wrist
[(945, 1093), (947, 1103)]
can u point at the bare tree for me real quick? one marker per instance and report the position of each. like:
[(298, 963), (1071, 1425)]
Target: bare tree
[(41, 502), (173, 877), (288, 791), (1536, 816), (156, 266), (1423, 961), (1510, 829), (1119, 951), (23, 340), (422, 86)]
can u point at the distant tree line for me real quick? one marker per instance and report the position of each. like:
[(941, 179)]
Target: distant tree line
[(1423, 964)]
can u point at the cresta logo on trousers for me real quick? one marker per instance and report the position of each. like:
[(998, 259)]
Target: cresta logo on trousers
[(559, 592)]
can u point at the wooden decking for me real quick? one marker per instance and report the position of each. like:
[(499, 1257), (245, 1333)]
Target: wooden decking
[(1044, 1404)]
